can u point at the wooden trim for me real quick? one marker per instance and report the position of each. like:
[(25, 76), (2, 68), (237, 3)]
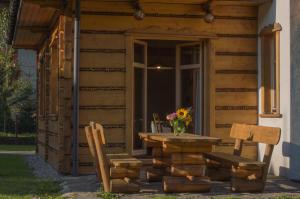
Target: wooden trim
[(277, 69), (129, 93), (275, 115), (272, 33), (270, 29), (212, 88)]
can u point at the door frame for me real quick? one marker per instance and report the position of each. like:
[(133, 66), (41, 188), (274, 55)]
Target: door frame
[(209, 54)]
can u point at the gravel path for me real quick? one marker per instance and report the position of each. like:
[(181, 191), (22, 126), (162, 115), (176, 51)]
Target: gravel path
[(42, 169)]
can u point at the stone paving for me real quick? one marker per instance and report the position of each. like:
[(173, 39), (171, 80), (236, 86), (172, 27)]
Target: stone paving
[(87, 187)]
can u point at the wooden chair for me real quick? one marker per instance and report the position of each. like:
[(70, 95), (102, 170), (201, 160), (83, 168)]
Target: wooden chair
[(92, 148), (118, 171), (157, 123), (246, 175)]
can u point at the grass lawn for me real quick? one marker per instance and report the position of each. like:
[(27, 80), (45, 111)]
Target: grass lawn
[(17, 181), (17, 147), (10, 134)]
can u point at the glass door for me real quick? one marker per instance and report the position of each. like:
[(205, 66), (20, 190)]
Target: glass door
[(189, 82), (140, 95)]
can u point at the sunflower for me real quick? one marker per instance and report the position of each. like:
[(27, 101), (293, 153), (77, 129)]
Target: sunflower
[(182, 113), (188, 120)]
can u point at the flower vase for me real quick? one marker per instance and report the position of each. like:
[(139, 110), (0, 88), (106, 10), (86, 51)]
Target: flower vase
[(178, 128)]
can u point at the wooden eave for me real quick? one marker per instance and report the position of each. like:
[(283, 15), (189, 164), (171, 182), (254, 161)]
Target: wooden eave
[(35, 19)]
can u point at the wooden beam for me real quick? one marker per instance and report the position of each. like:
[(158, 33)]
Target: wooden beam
[(241, 2), (55, 4), (35, 29)]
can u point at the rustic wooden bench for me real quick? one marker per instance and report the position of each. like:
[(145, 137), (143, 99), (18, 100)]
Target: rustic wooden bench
[(246, 175), (118, 171)]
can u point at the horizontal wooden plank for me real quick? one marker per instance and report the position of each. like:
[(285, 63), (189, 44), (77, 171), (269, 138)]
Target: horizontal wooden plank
[(94, 98), (111, 135), (102, 60), (53, 126), (236, 98), (223, 133), (235, 81), (236, 45), (102, 116), (54, 142), (187, 158), (109, 41), (115, 150), (238, 116), (101, 79), (122, 23), (235, 63), (190, 148), (167, 8), (188, 170), (247, 152)]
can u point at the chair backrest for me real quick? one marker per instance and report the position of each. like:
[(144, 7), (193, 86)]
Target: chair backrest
[(157, 123), (92, 148), (98, 126), (259, 134), (102, 159)]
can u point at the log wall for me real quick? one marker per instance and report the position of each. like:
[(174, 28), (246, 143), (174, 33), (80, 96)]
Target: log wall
[(54, 129), (103, 89), (103, 72)]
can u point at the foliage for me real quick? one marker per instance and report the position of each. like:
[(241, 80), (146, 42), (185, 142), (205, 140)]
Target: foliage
[(14, 91), (180, 120), (17, 181), (106, 195), (164, 197), (17, 147)]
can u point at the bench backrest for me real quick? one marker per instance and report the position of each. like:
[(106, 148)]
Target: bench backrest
[(254, 133), (99, 140), (259, 134)]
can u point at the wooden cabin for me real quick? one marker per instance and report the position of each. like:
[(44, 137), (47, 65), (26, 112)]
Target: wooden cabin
[(138, 58)]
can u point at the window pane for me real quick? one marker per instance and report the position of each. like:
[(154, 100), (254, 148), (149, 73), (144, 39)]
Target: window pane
[(190, 55), (138, 106), (191, 96), (139, 53), (161, 94)]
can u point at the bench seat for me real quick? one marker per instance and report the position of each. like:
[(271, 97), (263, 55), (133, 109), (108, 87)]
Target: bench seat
[(234, 160), (125, 162)]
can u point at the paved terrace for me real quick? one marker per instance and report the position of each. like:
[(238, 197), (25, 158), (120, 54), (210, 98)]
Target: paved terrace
[(87, 187)]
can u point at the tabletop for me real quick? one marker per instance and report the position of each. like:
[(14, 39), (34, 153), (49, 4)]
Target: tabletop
[(186, 137)]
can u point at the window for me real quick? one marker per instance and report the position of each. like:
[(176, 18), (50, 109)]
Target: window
[(54, 64), (270, 70)]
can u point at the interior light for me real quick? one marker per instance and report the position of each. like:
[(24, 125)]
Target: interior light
[(158, 67)]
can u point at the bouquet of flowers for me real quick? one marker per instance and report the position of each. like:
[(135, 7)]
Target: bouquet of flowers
[(180, 120)]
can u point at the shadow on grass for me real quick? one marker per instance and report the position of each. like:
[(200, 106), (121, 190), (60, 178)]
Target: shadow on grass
[(17, 181)]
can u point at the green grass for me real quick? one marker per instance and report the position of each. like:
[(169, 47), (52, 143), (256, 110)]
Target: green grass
[(11, 134), (17, 147), (164, 197), (17, 181)]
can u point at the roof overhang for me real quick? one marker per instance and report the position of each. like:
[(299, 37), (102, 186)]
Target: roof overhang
[(31, 21)]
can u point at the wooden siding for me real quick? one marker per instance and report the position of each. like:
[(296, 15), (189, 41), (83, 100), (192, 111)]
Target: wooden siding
[(104, 76), (54, 130), (103, 61)]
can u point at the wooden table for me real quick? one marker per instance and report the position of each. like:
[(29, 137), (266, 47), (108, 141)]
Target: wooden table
[(178, 161)]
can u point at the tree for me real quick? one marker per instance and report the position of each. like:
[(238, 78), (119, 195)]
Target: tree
[(15, 92)]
